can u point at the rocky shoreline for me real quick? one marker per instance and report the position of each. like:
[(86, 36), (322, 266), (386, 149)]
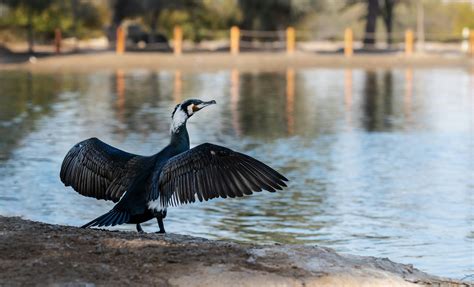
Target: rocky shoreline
[(33, 253)]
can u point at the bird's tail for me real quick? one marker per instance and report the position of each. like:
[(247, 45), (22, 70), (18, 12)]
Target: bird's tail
[(111, 218)]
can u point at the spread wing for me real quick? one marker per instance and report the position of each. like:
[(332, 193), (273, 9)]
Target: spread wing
[(96, 169), (209, 171)]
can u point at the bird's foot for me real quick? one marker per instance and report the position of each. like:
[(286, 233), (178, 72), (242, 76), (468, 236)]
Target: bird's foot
[(161, 225), (162, 231)]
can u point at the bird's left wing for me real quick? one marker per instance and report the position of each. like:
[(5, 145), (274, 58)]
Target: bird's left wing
[(96, 169), (209, 171)]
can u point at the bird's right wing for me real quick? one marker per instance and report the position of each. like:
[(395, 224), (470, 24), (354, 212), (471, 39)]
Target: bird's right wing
[(209, 171), (96, 169)]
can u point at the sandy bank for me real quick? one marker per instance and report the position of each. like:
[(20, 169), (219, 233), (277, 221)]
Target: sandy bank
[(198, 62), (34, 253)]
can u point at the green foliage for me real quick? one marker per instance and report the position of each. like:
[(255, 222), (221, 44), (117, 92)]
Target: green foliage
[(47, 15), (463, 16), (442, 21), (170, 18), (211, 19), (33, 6), (266, 15), (215, 16)]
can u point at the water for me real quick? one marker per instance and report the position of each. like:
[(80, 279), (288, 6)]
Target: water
[(380, 162)]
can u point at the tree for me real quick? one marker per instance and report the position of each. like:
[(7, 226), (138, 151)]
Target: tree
[(30, 8), (75, 12), (371, 23), (274, 15), (375, 8), (122, 9), (265, 15), (387, 15), (152, 10)]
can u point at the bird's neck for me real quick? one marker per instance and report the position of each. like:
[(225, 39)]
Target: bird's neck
[(179, 133), (180, 137)]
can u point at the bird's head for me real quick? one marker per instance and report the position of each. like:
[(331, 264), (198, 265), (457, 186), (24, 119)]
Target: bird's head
[(183, 111)]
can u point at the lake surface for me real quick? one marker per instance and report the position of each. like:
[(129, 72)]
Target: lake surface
[(381, 162)]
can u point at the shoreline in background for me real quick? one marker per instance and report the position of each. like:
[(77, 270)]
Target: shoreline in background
[(246, 61)]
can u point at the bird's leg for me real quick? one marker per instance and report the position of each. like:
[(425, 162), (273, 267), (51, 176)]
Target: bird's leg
[(160, 215), (160, 224), (139, 228)]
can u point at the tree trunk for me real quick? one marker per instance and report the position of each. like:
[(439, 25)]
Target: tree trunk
[(118, 10), (420, 26), (388, 20), (153, 23), (389, 29), (29, 27), (74, 5), (370, 26)]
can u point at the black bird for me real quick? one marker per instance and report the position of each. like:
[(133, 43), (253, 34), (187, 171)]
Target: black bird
[(144, 186)]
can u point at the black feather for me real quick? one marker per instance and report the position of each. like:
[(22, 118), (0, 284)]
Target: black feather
[(94, 168), (208, 171)]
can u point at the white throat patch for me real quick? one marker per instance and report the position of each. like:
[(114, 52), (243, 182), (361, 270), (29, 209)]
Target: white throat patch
[(179, 118)]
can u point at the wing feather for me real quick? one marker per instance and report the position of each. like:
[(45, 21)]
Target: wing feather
[(96, 169), (209, 171)]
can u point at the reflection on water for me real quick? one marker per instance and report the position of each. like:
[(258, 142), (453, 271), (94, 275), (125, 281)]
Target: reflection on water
[(120, 90), (407, 99), (378, 98), (234, 101), (290, 100), (380, 161), (177, 94), (348, 95)]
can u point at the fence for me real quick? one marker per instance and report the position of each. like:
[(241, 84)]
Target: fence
[(287, 41)]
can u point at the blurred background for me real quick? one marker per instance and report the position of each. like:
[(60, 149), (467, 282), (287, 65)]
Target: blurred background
[(438, 25), (379, 154)]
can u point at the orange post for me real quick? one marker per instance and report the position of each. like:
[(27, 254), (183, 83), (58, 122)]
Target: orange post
[(348, 42), (234, 40), (57, 40), (290, 40), (120, 41), (471, 42), (408, 42), (178, 40)]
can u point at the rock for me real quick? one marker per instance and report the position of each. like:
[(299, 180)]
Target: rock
[(33, 253)]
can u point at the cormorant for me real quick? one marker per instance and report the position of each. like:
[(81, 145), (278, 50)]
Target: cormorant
[(144, 186)]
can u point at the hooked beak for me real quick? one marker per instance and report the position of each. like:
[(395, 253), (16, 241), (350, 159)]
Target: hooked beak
[(204, 104)]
